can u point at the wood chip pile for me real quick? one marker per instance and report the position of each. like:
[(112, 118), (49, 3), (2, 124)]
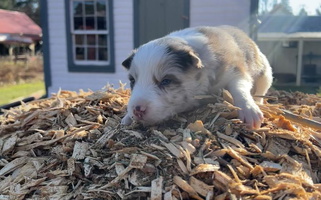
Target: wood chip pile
[(72, 146)]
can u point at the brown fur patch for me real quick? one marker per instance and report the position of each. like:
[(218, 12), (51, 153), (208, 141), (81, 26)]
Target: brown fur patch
[(232, 47), (183, 55)]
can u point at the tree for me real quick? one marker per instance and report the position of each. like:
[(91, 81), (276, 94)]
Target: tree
[(30, 7), (266, 6), (6, 4), (318, 11), (303, 12), (286, 5), (275, 7)]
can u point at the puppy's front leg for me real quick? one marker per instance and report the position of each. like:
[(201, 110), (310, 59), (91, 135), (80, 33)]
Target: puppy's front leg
[(127, 120), (250, 113)]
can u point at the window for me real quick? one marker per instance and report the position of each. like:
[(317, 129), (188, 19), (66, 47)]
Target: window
[(90, 46)]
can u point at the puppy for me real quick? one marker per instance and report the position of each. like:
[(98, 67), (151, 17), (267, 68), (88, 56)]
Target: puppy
[(167, 73)]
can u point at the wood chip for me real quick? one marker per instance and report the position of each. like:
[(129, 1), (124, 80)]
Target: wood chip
[(18, 162), (80, 150), (201, 168), (200, 187), (270, 166), (72, 146), (173, 149), (186, 187), (157, 189), (9, 144)]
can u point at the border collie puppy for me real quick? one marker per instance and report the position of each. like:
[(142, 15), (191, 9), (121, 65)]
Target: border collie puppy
[(167, 73)]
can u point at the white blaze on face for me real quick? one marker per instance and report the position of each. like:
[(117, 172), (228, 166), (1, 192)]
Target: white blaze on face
[(145, 104)]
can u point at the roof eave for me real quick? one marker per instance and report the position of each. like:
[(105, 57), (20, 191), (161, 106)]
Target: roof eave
[(275, 36)]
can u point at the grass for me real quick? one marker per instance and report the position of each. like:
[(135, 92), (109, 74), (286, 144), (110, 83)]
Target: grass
[(304, 89), (21, 79), (10, 93)]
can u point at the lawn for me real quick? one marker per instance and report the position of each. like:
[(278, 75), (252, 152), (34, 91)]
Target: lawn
[(20, 80), (304, 89), (17, 92)]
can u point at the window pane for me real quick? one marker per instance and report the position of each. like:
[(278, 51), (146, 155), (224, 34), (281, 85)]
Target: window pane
[(80, 53), (101, 23), (79, 39), (101, 8), (78, 23), (91, 53), (103, 54), (78, 8), (90, 23), (91, 39), (90, 36), (102, 40), (89, 7)]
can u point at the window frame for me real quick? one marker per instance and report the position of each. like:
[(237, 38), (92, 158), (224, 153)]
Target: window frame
[(87, 65)]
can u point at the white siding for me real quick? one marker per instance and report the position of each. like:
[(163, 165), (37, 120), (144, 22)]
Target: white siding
[(284, 60), (123, 38), (202, 12), (220, 12)]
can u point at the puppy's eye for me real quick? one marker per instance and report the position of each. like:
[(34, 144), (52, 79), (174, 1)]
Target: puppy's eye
[(165, 82), (132, 82)]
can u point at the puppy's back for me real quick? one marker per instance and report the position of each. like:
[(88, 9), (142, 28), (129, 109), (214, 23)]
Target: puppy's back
[(234, 48)]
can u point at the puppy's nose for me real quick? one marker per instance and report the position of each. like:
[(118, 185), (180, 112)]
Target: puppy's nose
[(139, 111), (138, 108)]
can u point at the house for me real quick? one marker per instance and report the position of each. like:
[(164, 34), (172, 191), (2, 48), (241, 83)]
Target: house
[(293, 47), (85, 41), (16, 30)]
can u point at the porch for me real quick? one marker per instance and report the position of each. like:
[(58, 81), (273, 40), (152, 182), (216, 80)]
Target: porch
[(295, 57)]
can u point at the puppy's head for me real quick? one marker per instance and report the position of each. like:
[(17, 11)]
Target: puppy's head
[(164, 77)]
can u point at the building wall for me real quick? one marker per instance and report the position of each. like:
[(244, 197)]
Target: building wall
[(218, 12), (205, 12), (284, 60), (123, 38), (315, 48)]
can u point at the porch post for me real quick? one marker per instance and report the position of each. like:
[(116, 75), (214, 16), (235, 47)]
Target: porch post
[(33, 49), (11, 50), (299, 64), (254, 22)]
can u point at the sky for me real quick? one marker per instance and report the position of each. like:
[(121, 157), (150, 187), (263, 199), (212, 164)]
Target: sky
[(309, 5)]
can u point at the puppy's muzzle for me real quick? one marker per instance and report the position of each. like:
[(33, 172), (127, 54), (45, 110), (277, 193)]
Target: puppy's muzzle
[(140, 111)]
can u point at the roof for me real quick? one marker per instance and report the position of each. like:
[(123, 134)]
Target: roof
[(15, 39), (290, 24), (307, 36), (13, 22)]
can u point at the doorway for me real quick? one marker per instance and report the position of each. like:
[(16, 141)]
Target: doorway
[(156, 18)]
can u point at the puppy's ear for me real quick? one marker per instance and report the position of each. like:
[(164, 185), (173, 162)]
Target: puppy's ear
[(127, 63), (196, 61), (185, 57)]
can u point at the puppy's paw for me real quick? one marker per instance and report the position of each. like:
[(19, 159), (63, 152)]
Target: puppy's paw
[(251, 115), (127, 120)]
